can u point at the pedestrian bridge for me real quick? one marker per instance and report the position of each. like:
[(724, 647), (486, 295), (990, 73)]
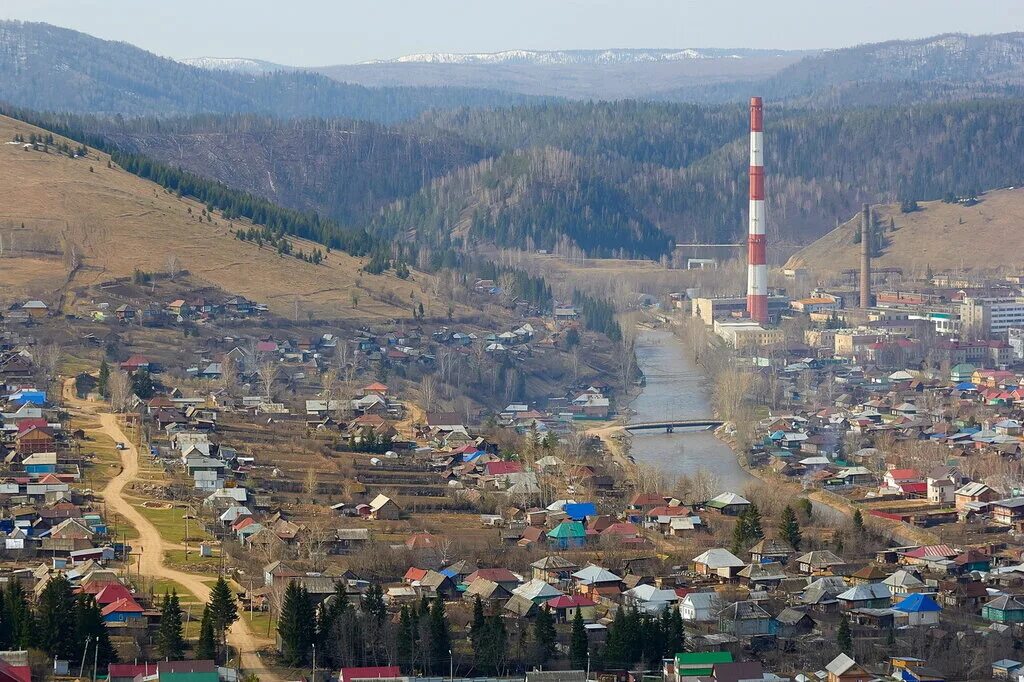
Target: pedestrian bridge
[(669, 425)]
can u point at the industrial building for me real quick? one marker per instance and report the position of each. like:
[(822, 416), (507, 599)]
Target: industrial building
[(991, 317), (711, 309)]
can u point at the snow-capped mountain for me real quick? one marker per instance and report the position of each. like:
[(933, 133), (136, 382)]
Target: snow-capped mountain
[(562, 57), (236, 64)]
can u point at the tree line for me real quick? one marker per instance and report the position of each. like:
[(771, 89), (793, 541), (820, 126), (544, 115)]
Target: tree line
[(420, 639)]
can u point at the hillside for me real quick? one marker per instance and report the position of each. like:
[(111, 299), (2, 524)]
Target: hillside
[(56, 211), (675, 170), (48, 68), (945, 236)]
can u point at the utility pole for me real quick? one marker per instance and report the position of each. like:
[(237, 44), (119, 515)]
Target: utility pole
[(95, 656), (451, 666), (85, 652), (314, 662)]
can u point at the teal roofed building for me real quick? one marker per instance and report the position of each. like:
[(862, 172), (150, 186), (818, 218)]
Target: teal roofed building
[(691, 665), (567, 535)]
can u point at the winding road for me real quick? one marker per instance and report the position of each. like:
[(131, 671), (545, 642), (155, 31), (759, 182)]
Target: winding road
[(150, 546)]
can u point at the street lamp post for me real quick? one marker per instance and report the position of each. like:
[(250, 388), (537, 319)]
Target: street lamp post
[(451, 665), (314, 661)]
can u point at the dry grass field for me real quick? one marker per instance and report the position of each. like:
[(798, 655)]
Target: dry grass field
[(986, 236), (118, 222)]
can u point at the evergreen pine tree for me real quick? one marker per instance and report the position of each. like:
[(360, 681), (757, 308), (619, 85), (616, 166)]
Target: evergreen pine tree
[(858, 521), (293, 632), (89, 623), (676, 640), (789, 529), (206, 646), (615, 653), (545, 635), (493, 645), (56, 619), (754, 529), (19, 615), (440, 632), (739, 534), (477, 627), (169, 640), (103, 383), (844, 639), (404, 639), (223, 608), (373, 603), (578, 643)]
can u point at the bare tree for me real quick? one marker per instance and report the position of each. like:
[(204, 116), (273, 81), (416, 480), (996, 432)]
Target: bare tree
[(49, 359), (507, 284), (268, 371), (311, 483), (428, 391), (172, 266), (120, 391), (228, 373)]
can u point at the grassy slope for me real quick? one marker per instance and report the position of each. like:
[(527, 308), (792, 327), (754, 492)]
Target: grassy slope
[(120, 222), (985, 236)]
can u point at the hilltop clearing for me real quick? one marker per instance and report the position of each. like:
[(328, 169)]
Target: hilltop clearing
[(945, 236)]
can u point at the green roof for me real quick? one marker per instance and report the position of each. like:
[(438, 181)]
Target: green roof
[(190, 677), (703, 658), (568, 529)]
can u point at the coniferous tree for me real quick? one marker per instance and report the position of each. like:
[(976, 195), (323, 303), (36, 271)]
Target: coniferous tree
[(858, 521), (223, 609), (477, 627), (373, 603), (206, 646), (169, 640), (754, 529), (19, 615), (404, 639), (493, 645), (844, 639), (739, 534), (89, 624), (545, 635), (615, 653), (578, 643), (789, 529), (103, 383), (56, 619), (440, 632), (294, 627), (676, 640)]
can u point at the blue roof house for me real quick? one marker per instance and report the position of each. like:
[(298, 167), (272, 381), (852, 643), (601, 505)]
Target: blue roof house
[(919, 609), (578, 511)]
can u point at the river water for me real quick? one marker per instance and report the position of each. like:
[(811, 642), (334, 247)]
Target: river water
[(675, 390)]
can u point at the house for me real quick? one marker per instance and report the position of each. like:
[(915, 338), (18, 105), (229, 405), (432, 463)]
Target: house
[(565, 607), (819, 562), (729, 504), (388, 672), (700, 606), (822, 594), (36, 309), (553, 569), (502, 576), (383, 507), (487, 590), (438, 585), (845, 669), (920, 609), (762, 576), (793, 623), (1004, 668), (902, 583), (521, 607), (1008, 512), (650, 599), (866, 596), (746, 619), (538, 591), (894, 478), (973, 493), (690, 666), (34, 439), (122, 611), (567, 535), (596, 582), (941, 490), (1005, 609), (719, 562), (771, 550)]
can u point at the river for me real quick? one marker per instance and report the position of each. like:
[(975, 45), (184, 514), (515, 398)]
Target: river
[(675, 390)]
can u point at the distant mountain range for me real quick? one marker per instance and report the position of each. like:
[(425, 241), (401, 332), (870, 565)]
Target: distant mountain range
[(236, 64), (48, 68), (562, 57)]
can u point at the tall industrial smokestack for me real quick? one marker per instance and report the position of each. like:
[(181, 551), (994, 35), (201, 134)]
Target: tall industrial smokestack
[(757, 263), (865, 257)]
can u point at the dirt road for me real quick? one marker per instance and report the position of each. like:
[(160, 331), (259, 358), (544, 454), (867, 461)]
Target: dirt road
[(149, 549)]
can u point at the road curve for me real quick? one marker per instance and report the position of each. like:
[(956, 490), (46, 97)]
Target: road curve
[(150, 546)]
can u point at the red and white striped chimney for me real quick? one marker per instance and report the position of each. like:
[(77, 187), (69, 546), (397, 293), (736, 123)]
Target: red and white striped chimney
[(757, 263)]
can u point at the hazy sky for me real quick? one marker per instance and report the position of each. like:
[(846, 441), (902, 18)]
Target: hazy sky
[(311, 32)]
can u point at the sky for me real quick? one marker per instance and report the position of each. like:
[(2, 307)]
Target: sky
[(323, 32)]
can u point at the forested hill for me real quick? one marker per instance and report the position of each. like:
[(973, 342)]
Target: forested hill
[(347, 170), (47, 68), (604, 178)]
